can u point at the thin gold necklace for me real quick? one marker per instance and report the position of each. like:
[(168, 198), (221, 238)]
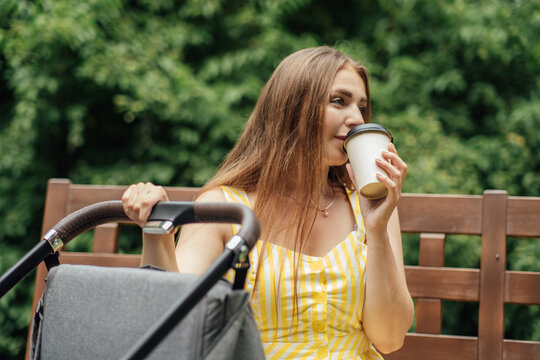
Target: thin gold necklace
[(325, 210)]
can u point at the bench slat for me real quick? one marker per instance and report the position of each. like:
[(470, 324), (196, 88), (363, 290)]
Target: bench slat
[(520, 350), (106, 239), (84, 195), (443, 283), (522, 287), (523, 216), (439, 347), (455, 214), (110, 260), (428, 316)]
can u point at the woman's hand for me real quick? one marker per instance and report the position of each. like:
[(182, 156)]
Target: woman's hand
[(376, 213), (138, 201)]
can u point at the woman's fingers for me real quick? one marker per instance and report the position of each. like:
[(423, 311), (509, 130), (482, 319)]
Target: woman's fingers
[(395, 170), (127, 202), (394, 158), (147, 198), (392, 170), (395, 167)]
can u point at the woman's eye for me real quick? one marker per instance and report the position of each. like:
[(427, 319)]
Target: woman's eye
[(363, 109), (338, 101)]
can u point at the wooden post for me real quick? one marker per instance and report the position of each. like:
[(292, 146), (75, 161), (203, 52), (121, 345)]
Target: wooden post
[(55, 209), (106, 239), (428, 311), (492, 272)]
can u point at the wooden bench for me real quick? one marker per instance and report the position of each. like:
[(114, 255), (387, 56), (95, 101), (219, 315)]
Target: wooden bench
[(493, 216)]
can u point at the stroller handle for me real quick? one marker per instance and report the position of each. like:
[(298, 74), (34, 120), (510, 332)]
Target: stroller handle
[(85, 219), (165, 216), (173, 213)]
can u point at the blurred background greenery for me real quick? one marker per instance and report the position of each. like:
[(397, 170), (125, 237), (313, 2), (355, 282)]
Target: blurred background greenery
[(118, 91)]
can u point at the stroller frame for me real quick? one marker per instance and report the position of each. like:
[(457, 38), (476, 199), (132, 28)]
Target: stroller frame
[(165, 217)]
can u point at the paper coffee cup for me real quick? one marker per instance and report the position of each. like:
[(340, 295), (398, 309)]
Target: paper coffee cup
[(363, 144)]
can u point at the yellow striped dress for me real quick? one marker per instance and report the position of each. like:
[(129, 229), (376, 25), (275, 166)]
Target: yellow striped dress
[(330, 292)]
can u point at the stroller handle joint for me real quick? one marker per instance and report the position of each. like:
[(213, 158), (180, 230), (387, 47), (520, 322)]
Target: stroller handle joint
[(53, 238), (158, 227)]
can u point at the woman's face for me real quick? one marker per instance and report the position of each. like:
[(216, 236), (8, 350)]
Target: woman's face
[(344, 110)]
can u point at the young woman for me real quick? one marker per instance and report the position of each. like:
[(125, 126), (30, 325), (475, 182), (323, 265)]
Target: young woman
[(317, 291)]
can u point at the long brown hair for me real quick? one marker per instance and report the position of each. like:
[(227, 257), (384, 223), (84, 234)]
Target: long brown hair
[(280, 153)]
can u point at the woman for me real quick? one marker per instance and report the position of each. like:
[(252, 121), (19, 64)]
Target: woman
[(317, 291)]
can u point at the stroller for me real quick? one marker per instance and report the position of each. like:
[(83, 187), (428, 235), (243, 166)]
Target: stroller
[(90, 312)]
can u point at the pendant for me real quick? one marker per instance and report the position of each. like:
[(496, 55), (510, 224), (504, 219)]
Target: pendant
[(325, 213)]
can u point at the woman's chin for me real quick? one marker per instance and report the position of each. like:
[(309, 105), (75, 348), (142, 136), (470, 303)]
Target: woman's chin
[(338, 161)]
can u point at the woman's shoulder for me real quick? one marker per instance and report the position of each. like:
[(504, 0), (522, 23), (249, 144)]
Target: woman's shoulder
[(212, 195), (227, 194)]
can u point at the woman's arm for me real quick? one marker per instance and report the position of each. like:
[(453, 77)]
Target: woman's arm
[(388, 308), (198, 245)]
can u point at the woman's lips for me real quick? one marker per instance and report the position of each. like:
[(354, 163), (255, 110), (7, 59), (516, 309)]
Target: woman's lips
[(342, 138)]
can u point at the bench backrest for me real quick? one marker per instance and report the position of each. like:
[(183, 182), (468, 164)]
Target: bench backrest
[(493, 216)]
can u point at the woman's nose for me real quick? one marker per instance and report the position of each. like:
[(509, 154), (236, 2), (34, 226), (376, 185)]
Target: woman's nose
[(355, 117)]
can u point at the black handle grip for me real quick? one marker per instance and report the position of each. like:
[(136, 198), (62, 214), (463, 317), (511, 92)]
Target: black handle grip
[(183, 212)]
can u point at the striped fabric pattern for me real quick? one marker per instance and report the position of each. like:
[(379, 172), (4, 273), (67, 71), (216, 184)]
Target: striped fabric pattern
[(330, 295)]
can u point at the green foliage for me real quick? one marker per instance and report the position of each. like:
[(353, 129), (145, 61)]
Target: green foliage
[(15, 307), (116, 92)]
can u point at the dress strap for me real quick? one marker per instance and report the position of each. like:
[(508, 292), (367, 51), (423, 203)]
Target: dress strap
[(236, 196), (354, 199)]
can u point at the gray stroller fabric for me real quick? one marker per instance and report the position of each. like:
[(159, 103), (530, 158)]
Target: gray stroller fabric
[(90, 312)]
